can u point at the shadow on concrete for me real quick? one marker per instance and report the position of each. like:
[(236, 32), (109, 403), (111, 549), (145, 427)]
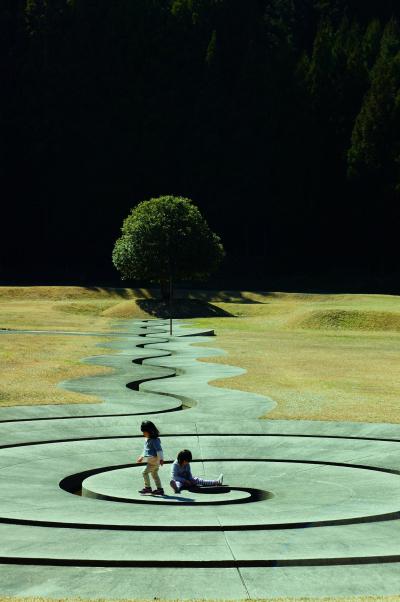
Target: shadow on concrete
[(178, 498)]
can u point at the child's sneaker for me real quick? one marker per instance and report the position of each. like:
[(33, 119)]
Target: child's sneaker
[(174, 487), (220, 479), (145, 490), (158, 491)]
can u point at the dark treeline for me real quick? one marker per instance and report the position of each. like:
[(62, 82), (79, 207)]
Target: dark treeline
[(279, 118)]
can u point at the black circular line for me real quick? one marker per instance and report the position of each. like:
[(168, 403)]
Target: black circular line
[(73, 484), (278, 562), (390, 516), (77, 439)]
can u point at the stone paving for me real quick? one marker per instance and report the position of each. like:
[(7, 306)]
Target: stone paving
[(306, 509)]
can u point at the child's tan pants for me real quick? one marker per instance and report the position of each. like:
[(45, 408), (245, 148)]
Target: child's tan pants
[(152, 466)]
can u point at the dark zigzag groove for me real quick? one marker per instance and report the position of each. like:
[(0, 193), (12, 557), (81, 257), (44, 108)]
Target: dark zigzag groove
[(134, 385)]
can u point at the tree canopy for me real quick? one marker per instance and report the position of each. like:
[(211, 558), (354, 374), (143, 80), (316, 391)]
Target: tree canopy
[(167, 238)]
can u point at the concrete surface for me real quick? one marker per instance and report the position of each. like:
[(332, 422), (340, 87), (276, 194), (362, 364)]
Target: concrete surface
[(307, 508)]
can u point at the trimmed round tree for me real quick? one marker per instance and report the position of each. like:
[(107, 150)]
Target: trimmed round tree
[(166, 239)]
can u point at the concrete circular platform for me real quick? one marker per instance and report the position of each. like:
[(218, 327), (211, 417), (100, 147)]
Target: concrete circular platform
[(300, 492), (121, 486), (296, 492)]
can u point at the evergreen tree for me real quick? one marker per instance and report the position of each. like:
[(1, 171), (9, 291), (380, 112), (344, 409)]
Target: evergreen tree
[(167, 239), (375, 145)]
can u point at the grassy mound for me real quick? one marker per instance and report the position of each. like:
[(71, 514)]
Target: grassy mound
[(93, 308), (125, 310), (320, 356), (343, 319)]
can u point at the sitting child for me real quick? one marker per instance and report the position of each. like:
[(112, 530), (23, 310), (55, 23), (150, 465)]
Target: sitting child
[(182, 477)]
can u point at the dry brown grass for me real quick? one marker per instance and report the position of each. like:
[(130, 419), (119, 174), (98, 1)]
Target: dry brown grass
[(32, 365), (315, 370), (321, 357), (126, 310), (50, 315), (318, 377), (63, 307), (65, 293)]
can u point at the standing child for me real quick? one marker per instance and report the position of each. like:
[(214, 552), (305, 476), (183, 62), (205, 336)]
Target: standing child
[(182, 477), (153, 456)]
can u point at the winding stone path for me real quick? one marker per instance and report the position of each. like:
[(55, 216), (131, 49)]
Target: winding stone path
[(307, 508)]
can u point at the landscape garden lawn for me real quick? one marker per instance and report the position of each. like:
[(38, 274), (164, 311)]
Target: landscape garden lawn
[(31, 366), (61, 307), (319, 356)]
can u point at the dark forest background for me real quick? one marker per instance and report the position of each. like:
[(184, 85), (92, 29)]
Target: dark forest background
[(279, 118)]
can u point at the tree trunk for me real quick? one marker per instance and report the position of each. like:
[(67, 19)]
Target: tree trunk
[(164, 290)]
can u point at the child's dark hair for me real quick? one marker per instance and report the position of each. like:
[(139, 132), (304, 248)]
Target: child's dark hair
[(183, 455), (149, 427)]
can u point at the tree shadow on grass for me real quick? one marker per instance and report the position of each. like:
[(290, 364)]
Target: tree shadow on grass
[(150, 292), (221, 296), (182, 308), (124, 293)]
